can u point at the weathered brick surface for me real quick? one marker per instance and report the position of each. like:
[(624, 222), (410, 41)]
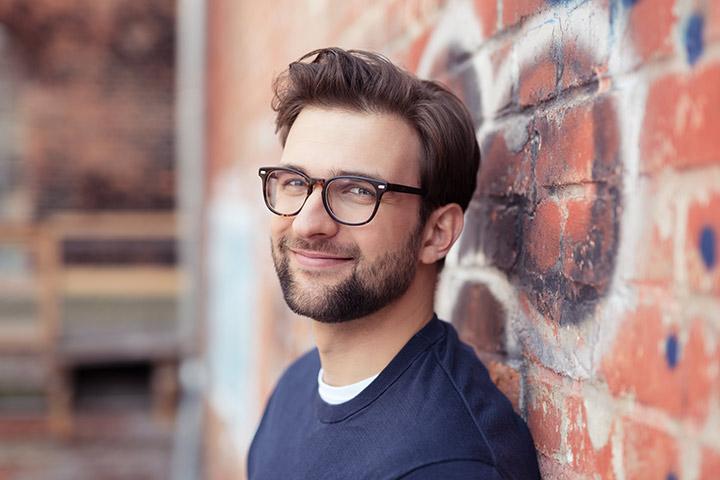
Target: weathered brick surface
[(479, 302), (516, 10), (678, 367), (703, 228), (682, 121), (649, 452), (545, 413), (583, 454), (597, 200), (651, 26)]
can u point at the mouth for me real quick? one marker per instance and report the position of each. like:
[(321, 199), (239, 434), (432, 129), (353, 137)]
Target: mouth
[(319, 260)]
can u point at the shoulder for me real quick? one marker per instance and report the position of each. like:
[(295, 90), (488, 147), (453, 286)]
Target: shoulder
[(502, 431)]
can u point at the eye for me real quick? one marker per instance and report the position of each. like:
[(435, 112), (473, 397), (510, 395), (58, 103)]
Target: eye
[(361, 191), (294, 182)]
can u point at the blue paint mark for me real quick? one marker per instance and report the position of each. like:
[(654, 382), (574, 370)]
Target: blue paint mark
[(694, 43), (708, 246), (671, 350), (629, 3), (671, 476)]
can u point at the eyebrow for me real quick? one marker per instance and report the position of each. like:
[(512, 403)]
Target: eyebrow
[(336, 173)]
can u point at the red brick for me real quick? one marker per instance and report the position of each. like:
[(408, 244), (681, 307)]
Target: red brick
[(492, 227), (703, 244), (712, 24), (698, 368), (648, 453), (516, 10), (590, 237), (576, 235), (486, 13), (682, 121), (545, 414), (537, 82), (579, 144), (710, 469), (480, 318), (642, 343), (684, 390), (579, 217), (543, 238), (504, 171), (579, 66), (651, 28)]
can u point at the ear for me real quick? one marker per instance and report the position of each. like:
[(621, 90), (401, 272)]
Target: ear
[(441, 230)]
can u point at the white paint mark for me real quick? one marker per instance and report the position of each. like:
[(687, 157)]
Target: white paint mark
[(599, 420), (690, 460), (618, 453)]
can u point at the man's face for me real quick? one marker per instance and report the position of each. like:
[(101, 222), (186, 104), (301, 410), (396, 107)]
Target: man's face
[(332, 272)]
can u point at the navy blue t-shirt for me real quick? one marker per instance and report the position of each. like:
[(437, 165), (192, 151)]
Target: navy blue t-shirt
[(432, 413)]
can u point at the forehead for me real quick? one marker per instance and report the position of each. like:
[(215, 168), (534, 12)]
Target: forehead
[(325, 141)]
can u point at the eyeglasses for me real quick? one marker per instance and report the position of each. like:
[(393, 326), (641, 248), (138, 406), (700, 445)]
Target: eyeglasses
[(348, 199)]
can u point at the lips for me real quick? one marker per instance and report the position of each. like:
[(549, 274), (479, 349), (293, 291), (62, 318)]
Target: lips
[(314, 259)]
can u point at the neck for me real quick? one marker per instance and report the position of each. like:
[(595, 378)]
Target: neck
[(354, 350)]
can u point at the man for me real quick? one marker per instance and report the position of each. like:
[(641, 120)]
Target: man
[(376, 172)]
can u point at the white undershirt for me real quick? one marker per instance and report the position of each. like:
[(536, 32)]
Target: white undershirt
[(338, 395)]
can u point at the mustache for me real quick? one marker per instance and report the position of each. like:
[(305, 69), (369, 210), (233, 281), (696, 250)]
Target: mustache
[(321, 246)]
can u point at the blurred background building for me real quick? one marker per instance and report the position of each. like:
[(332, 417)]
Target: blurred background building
[(89, 270), (141, 325)]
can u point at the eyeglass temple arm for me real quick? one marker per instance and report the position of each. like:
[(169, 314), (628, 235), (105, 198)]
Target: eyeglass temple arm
[(394, 187)]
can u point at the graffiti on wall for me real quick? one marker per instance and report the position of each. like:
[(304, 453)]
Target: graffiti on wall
[(545, 233)]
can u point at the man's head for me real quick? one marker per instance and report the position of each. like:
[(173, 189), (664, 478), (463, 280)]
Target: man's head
[(367, 82), (356, 115)]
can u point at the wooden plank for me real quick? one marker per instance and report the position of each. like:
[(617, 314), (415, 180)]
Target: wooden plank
[(17, 232), (21, 337), (135, 281), (114, 225)]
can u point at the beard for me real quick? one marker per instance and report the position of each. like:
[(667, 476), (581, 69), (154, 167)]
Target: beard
[(369, 287)]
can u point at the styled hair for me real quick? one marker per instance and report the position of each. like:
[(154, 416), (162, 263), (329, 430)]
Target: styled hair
[(368, 82)]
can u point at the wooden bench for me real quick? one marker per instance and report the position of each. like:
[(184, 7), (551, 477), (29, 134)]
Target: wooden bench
[(111, 310)]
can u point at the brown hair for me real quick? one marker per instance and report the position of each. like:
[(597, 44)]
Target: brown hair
[(368, 82)]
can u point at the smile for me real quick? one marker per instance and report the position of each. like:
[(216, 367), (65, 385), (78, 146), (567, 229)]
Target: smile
[(310, 259)]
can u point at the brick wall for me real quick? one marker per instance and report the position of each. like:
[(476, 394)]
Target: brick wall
[(587, 276), (92, 105)]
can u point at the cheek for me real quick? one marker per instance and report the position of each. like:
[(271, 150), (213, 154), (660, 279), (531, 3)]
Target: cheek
[(381, 239), (279, 226), (392, 226)]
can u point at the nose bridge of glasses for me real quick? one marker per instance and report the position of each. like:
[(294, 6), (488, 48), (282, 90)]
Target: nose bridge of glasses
[(315, 181), (312, 182)]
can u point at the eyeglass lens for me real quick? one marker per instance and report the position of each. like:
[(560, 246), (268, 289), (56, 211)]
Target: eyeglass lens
[(350, 200)]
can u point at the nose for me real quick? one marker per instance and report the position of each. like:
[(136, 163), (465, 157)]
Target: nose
[(313, 221)]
